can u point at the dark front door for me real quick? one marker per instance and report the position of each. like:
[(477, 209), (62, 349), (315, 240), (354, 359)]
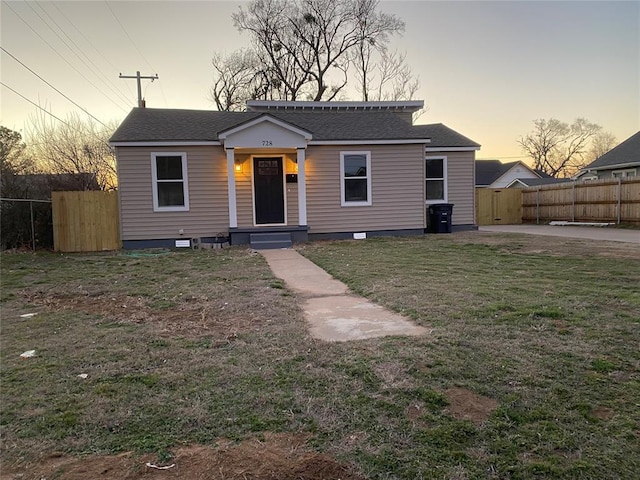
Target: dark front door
[(268, 190)]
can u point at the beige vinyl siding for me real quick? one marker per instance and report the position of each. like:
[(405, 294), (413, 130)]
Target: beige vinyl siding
[(397, 190), (208, 206), (460, 185), (244, 191)]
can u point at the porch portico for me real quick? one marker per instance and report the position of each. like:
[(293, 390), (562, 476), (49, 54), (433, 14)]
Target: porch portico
[(265, 165)]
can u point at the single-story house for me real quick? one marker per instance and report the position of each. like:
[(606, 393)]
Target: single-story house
[(620, 162), (291, 170)]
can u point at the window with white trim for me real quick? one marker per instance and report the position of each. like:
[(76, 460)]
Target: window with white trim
[(170, 184), (436, 179), (631, 172), (355, 178)]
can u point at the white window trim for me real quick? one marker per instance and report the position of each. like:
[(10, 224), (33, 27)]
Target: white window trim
[(445, 179), (343, 202), (624, 173), (154, 180)]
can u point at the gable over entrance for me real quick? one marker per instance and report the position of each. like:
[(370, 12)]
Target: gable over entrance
[(265, 132)]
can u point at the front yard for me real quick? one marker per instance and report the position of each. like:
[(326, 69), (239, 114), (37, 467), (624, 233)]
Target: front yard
[(202, 359)]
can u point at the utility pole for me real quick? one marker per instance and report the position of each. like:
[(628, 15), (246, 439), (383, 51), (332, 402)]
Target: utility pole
[(138, 77)]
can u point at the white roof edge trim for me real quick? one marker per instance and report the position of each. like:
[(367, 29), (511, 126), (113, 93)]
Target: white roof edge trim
[(261, 119), (408, 105), (451, 149), (369, 142), (172, 143), (613, 167), (516, 180)]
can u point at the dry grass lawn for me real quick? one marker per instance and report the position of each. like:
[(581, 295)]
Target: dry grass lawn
[(203, 360)]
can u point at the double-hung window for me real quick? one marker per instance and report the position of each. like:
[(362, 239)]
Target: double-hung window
[(355, 178), (436, 179), (170, 185)]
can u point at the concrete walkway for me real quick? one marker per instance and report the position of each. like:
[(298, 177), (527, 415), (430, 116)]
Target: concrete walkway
[(589, 233), (333, 313)]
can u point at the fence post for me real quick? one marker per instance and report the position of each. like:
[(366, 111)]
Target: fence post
[(573, 201), (619, 199), (33, 230), (538, 206)]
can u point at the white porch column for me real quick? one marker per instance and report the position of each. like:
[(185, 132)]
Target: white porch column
[(302, 189), (231, 182)]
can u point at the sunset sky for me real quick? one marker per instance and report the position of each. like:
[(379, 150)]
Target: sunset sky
[(487, 69)]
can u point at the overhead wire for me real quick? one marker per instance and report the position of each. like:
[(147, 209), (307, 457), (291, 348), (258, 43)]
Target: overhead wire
[(95, 134), (84, 37), (136, 47), (65, 96), (33, 103), (63, 58), (100, 77)]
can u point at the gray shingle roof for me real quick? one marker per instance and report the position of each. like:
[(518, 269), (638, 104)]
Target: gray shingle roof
[(149, 125), (627, 152), (488, 171), (443, 136)]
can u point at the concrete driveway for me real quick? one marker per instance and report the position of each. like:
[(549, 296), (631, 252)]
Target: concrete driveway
[(589, 233)]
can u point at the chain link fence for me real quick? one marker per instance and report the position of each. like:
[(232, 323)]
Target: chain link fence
[(25, 223)]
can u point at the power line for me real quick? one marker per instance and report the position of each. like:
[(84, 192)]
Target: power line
[(127, 34), (63, 58), (69, 47), (102, 77), (135, 46), (81, 108), (84, 37), (33, 103)]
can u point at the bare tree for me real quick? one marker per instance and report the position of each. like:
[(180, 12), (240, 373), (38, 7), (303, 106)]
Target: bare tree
[(601, 143), (389, 78), (73, 147), (237, 78), (557, 148), (304, 46)]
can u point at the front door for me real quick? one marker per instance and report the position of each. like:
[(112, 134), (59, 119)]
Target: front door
[(268, 190)]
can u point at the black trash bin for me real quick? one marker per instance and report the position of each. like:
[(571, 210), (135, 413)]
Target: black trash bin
[(440, 217)]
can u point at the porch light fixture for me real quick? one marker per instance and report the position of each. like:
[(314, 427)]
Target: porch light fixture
[(238, 166)]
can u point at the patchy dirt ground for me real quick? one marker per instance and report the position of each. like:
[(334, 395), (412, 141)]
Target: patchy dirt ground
[(193, 318), (274, 457), (467, 405)]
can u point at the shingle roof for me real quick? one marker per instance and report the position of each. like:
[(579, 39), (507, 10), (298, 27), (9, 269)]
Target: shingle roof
[(149, 125), (627, 152), (488, 171), (443, 136)]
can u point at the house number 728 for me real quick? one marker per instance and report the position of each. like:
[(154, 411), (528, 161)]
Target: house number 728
[(267, 143)]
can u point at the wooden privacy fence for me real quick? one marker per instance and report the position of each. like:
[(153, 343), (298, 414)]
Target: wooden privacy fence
[(85, 221), (611, 200), (498, 206)]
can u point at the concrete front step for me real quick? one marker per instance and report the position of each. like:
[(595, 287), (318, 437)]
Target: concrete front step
[(266, 241)]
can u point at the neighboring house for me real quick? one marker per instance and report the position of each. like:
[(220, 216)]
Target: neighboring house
[(620, 162), (495, 174), (300, 170)]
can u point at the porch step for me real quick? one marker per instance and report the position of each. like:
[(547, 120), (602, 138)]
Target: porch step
[(265, 241)]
